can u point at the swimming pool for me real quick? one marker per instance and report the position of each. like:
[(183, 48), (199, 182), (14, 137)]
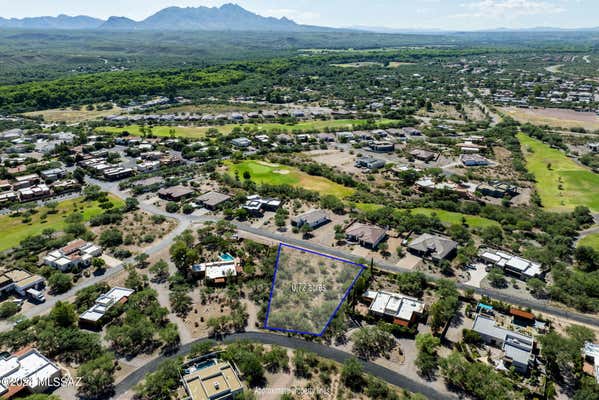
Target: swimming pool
[(226, 257), (199, 366)]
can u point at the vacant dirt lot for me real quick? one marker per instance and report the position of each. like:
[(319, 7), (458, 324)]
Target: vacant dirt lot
[(554, 117)]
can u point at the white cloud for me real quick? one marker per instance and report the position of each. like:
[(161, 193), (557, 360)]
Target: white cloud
[(296, 15), (508, 8)]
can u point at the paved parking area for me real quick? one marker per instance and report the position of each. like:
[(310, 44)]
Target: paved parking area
[(477, 274)]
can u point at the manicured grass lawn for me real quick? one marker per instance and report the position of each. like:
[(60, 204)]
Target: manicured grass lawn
[(200, 131), (274, 174), (14, 230), (580, 186), (446, 217), (591, 241)]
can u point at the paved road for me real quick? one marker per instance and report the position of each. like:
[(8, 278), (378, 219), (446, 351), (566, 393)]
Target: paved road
[(340, 356), (591, 231)]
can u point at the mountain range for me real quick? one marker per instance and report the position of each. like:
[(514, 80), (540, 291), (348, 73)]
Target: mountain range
[(228, 17)]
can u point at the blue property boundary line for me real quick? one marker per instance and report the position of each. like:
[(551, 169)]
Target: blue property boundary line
[(274, 279)]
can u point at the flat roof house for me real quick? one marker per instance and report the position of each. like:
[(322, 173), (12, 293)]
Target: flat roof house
[(75, 253), (591, 353), (19, 281), (434, 247), (511, 264), (33, 192), (256, 204), (175, 193), (498, 189), (241, 142), (368, 236), (208, 378), (423, 155), (50, 175), (103, 303), (212, 200), (26, 371), (218, 272), (313, 218), (517, 348), (401, 310), (370, 163), (382, 147), (474, 160)]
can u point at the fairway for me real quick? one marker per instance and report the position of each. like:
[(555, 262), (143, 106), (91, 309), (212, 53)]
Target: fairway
[(200, 131), (262, 172), (579, 186), (14, 230), (446, 217), (590, 241)]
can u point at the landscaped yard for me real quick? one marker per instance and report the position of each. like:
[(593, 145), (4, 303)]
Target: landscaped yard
[(446, 217), (262, 172), (591, 241), (14, 230), (561, 182), (200, 131)]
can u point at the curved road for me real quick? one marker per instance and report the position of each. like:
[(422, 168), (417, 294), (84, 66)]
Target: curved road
[(321, 350)]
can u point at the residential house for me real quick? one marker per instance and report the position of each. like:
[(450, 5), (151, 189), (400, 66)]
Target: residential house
[(175, 193), (256, 204), (33, 193), (423, 155), (25, 372), (498, 189), (241, 142), (510, 264), (26, 181), (397, 308), (19, 282), (95, 314), (517, 347), (218, 272), (369, 236), (591, 355), (53, 174), (370, 163), (435, 247), (212, 200), (312, 218), (474, 160), (382, 147), (76, 253), (208, 378)]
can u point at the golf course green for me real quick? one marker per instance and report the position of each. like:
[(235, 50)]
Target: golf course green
[(263, 172), (562, 184)]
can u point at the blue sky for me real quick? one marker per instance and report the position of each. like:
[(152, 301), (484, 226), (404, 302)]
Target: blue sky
[(442, 14)]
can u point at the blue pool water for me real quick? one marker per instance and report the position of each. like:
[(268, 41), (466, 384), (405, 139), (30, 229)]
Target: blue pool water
[(226, 257), (199, 366)]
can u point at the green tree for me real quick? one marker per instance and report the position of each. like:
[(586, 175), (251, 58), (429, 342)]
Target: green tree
[(352, 375), (427, 360), (60, 282), (111, 238), (97, 379), (64, 314)]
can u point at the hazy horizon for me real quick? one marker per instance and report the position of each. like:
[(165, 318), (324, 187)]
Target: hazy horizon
[(393, 14)]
